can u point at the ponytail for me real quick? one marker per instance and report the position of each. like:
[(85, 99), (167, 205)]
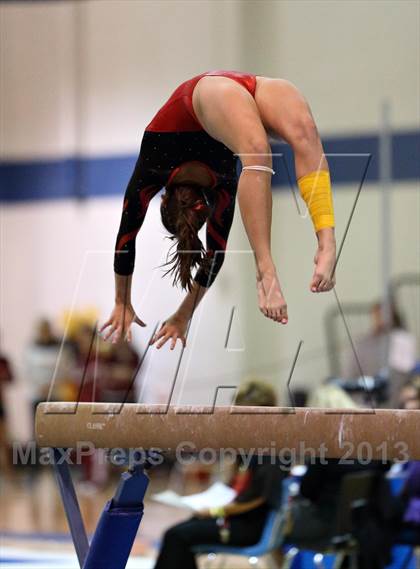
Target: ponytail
[(184, 212)]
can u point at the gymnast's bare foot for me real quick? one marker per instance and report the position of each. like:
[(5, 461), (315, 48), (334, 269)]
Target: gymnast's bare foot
[(270, 297), (323, 278)]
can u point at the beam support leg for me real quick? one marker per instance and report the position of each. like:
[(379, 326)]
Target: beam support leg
[(71, 505)]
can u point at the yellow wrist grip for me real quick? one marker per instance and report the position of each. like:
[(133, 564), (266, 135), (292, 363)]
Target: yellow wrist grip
[(315, 189)]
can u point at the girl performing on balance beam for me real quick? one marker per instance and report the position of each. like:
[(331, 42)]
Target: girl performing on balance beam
[(191, 149)]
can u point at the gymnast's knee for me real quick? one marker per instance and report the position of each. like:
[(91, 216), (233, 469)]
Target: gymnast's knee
[(256, 151), (302, 132)]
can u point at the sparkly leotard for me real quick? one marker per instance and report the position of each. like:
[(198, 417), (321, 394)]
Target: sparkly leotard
[(174, 137)]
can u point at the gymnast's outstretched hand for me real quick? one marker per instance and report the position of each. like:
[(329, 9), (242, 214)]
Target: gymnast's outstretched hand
[(323, 278), (119, 323), (173, 329)]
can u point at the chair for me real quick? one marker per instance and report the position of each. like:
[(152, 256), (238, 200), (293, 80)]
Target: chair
[(271, 537), (405, 546), (355, 493)]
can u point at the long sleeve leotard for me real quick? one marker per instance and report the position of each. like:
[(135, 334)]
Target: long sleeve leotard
[(175, 137)]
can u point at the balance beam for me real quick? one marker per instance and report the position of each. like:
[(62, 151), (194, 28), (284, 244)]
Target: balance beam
[(334, 433)]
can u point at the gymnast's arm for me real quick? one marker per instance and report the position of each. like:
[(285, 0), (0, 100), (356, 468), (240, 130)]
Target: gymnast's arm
[(136, 202)]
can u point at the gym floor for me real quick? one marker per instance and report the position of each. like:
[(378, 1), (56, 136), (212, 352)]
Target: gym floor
[(34, 531)]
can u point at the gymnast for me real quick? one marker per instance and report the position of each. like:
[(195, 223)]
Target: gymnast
[(191, 149)]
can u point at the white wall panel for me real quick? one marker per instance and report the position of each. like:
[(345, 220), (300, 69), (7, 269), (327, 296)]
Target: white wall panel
[(37, 111)]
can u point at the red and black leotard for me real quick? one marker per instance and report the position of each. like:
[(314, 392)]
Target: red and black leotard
[(173, 138)]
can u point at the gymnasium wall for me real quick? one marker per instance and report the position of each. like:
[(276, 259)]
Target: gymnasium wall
[(80, 81), (346, 77)]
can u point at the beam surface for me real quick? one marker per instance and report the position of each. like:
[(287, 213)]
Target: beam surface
[(383, 434)]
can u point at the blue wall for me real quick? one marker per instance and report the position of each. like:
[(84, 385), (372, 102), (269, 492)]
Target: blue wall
[(108, 176)]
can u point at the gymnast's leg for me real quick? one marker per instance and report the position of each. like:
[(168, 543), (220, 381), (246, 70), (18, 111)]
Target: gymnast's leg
[(285, 112), (229, 114)]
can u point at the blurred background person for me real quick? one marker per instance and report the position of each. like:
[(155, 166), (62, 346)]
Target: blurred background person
[(314, 514), (409, 498), (410, 394), (6, 377), (314, 511), (387, 351), (409, 525), (102, 372), (259, 488), (372, 349), (48, 365), (121, 365), (331, 397)]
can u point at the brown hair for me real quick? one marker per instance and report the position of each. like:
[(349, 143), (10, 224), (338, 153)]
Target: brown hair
[(256, 392), (184, 211), (413, 383)]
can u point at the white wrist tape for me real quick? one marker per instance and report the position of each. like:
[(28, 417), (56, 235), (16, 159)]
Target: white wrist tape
[(259, 168)]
